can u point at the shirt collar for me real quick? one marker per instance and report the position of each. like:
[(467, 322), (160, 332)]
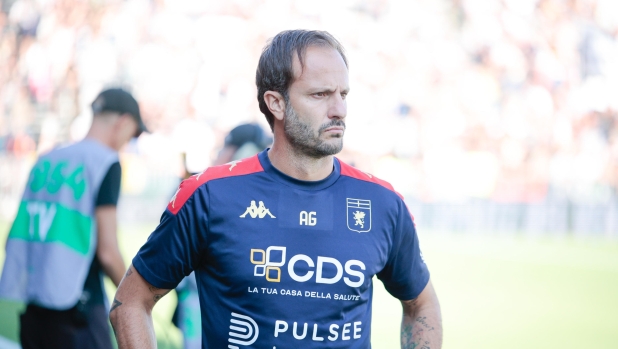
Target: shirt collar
[(297, 183)]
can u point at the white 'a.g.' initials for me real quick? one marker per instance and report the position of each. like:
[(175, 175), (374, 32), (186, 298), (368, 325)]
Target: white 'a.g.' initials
[(308, 218)]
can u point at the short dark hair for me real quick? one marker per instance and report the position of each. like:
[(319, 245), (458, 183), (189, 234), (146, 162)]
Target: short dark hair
[(275, 71), (119, 101)]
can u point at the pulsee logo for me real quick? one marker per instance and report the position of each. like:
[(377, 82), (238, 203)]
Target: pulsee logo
[(243, 331)]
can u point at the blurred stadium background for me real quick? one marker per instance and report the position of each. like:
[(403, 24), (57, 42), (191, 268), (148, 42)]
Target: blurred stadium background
[(496, 119)]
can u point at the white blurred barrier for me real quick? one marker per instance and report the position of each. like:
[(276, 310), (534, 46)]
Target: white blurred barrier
[(557, 215), (553, 217)]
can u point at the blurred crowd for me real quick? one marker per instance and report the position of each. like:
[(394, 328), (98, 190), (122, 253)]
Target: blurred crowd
[(504, 100)]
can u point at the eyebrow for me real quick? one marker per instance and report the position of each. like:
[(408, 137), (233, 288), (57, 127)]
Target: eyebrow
[(327, 90)]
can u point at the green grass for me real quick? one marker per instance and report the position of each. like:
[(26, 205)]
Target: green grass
[(495, 292), (513, 293)]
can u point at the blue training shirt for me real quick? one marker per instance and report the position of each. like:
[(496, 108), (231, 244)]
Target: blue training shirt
[(284, 263)]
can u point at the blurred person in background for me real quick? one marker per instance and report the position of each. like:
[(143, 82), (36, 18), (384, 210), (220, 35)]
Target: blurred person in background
[(242, 141), (310, 206), (64, 236)]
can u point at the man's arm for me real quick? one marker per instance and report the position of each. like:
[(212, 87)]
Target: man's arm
[(421, 326), (108, 252), (131, 311)]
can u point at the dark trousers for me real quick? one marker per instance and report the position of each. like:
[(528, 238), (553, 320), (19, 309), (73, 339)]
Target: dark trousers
[(43, 328)]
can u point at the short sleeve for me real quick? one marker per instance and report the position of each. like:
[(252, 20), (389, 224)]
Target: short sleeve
[(109, 191), (175, 247), (405, 274)]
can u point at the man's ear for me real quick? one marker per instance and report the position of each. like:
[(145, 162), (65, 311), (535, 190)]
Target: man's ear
[(275, 103), (123, 121)]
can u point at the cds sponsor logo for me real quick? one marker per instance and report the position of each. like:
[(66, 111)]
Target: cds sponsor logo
[(270, 262)]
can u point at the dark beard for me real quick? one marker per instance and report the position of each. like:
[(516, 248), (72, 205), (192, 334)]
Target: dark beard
[(302, 138)]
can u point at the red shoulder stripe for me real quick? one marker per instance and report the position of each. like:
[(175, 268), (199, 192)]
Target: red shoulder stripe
[(347, 170), (232, 169)]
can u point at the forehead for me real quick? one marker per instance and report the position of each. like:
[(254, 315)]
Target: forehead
[(321, 65)]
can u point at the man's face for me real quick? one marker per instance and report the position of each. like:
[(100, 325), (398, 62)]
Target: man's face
[(316, 109)]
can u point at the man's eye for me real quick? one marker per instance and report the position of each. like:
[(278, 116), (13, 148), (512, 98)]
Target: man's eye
[(320, 94), (344, 95)]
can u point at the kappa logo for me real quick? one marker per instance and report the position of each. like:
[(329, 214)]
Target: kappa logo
[(243, 331), (359, 215), (233, 164), (368, 174), (197, 177), (173, 200), (256, 211)]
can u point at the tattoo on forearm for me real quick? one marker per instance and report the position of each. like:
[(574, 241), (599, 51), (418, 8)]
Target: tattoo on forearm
[(128, 273), (421, 320), (407, 340), (157, 293), (409, 332), (115, 305)]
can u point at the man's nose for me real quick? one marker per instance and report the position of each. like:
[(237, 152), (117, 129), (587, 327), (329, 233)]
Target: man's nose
[(338, 108)]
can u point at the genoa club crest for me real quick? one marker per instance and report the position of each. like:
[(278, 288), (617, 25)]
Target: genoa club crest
[(359, 215)]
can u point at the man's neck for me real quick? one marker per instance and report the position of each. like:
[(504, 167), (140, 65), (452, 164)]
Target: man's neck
[(101, 135), (300, 166)]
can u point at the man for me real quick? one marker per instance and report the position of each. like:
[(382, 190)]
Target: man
[(65, 233), (301, 275), (243, 141)]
